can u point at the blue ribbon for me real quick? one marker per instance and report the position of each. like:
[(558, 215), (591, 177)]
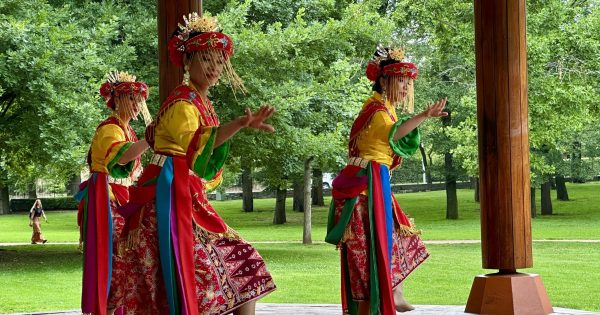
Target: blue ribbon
[(386, 189), (163, 216)]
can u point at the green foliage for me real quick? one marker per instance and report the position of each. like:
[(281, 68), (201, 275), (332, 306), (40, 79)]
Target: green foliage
[(53, 57), (311, 71), (438, 36), (307, 59)]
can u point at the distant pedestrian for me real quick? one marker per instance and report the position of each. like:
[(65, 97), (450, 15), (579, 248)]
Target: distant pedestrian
[(35, 213)]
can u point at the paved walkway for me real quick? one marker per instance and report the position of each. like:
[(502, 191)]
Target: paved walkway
[(322, 242), (333, 309)]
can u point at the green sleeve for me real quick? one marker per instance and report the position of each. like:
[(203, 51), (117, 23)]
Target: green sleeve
[(407, 145), (211, 160), (117, 170), (216, 161)]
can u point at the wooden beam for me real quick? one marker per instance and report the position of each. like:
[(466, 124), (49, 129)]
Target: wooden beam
[(169, 14), (503, 134), (500, 52)]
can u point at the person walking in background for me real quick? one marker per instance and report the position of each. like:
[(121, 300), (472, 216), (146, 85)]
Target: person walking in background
[(37, 211)]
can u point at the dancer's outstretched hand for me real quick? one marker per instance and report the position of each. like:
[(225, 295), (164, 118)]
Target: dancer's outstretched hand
[(257, 119), (436, 110)]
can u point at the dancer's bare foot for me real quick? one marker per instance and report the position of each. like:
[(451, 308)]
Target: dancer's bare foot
[(401, 304), (404, 307), (364, 308), (247, 308)]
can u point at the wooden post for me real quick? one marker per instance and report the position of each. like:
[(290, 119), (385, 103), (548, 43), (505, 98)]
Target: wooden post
[(500, 49), (503, 133), (169, 14)]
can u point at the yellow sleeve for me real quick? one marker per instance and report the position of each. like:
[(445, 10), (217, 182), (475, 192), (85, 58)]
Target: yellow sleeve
[(108, 145), (186, 128)]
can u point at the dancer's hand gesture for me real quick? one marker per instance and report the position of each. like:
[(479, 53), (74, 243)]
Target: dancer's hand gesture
[(257, 119), (436, 109)]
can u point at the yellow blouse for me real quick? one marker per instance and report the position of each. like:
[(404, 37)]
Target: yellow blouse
[(181, 131), (375, 141), (108, 145), (372, 140)]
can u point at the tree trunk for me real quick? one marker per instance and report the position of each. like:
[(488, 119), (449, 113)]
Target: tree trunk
[(546, 198), (307, 232), (32, 191), (247, 194), (279, 214), (561, 188), (298, 204), (426, 167), (451, 198), (576, 164), (475, 183), (533, 209), (73, 185), (429, 166), (317, 188), (4, 199)]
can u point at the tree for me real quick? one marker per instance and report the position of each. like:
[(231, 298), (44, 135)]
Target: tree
[(562, 71), (312, 73), (441, 42), (53, 57)]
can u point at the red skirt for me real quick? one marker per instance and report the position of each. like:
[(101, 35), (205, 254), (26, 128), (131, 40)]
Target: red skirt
[(119, 268), (228, 271), (408, 251)]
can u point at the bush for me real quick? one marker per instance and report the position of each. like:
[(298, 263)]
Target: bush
[(58, 203)]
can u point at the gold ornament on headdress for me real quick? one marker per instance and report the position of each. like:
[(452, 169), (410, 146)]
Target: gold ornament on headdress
[(403, 99), (129, 101), (396, 54), (196, 23), (116, 77)]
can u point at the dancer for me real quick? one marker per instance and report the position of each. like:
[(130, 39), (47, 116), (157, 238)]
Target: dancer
[(184, 257), (114, 162), (379, 245)]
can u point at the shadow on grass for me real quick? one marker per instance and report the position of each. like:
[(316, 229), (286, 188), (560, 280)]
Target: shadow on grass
[(40, 258)]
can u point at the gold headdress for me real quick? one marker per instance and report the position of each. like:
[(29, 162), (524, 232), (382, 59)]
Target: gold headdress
[(400, 75), (200, 35), (121, 90)]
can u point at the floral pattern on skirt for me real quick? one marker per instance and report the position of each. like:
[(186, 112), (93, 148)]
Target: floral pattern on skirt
[(408, 251), (229, 272), (119, 268)]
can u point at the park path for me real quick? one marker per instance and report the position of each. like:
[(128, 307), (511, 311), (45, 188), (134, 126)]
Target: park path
[(334, 309)]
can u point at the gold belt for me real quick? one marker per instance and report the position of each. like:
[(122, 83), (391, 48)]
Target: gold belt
[(121, 181), (357, 161), (158, 159)]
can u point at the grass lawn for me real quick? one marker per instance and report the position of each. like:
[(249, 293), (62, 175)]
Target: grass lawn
[(309, 274), (575, 219)]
